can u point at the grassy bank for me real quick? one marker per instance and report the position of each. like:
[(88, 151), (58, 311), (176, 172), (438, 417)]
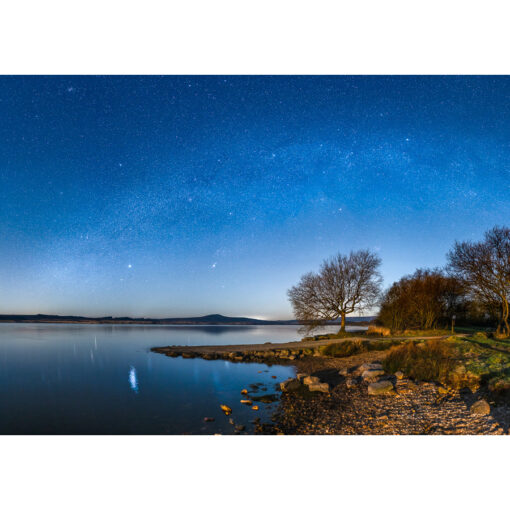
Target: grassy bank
[(472, 361)]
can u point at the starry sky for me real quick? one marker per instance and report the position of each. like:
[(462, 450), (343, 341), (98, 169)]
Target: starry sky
[(182, 196)]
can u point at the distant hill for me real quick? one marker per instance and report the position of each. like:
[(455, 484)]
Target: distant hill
[(212, 319)]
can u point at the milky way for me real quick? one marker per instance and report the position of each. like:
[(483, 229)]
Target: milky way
[(181, 196)]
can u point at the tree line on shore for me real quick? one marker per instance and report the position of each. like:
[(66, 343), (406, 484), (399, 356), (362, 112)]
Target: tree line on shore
[(473, 288)]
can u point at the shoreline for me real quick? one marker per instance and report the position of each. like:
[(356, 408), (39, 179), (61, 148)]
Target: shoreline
[(411, 407)]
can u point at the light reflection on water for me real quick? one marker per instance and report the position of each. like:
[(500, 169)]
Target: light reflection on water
[(71, 378)]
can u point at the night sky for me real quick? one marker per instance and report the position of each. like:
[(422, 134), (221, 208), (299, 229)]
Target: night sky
[(180, 196)]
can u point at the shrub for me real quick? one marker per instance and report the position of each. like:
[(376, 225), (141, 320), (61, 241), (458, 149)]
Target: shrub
[(433, 360), (357, 346)]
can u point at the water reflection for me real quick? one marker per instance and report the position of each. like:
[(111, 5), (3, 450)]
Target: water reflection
[(71, 379), (133, 380)]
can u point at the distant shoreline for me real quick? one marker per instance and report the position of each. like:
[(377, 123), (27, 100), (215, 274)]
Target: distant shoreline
[(207, 320)]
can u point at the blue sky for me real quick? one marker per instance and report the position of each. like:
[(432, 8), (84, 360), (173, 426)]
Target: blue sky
[(179, 196)]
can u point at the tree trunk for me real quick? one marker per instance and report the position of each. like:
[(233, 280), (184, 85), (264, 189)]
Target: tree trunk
[(342, 327)]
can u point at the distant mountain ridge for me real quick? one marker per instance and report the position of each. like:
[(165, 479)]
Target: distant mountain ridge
[(212, 319)]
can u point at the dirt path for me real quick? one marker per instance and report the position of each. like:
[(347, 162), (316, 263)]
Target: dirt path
[(244, 349)]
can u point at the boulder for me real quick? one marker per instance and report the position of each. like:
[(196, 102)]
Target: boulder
[(399, 375), (343, 371), (290, 385), (381, 388), (244, 392), (227, 410), (370, 366), (371, 375), (301, 376), (480, 408), (310, 379), (322, 387)]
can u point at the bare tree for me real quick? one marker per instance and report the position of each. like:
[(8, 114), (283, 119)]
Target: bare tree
[(344, 284), (485, 268)]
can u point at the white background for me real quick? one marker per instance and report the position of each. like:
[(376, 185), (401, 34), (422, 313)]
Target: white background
[(262, 37)]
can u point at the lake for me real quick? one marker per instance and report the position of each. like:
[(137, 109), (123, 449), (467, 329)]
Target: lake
[(103, 379)]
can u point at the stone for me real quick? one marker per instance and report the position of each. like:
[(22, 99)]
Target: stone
[(188, 355), (370, 366), (322, 387), (290, 385), (255, 408), (343, 371), (399, 375), (310, 379), (207, 418), (381, 388), (227, 410), (244, 392), (239, 428), (301, 376), (371, 375), (480, 408), (350, 383), (247, 402)]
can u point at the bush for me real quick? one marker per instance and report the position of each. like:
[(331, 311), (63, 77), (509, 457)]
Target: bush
[(433, 360), (357, 346)]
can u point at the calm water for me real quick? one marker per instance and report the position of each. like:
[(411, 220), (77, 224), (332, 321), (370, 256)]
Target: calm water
[(100, 379)]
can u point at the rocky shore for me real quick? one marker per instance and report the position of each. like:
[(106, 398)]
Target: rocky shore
[(354, 395)]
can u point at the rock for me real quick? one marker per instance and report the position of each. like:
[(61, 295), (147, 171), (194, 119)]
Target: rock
[(255, 408), (310, 379), (343, 371), (239, 428), (290, 385), (244, 392), (442, 390), (172, 354), (227, 410), (300, 377), (399, 375), (370, 366), (247, 402), (371, 375), (238, 358), (188, 355), (207, 418), (273, 376), (322, 387), (381, 388), (350, 383), (480, 408)]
